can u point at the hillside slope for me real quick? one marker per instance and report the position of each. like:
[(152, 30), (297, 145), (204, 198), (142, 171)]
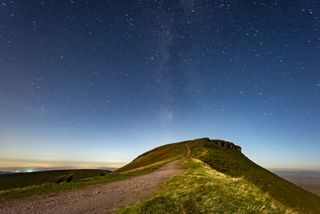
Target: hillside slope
[(219, 178), (158, 156), (19, 180)]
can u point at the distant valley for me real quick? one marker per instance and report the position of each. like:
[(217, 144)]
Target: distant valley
[(309, 180)]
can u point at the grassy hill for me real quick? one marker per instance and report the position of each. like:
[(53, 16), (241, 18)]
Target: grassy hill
[(18, 180), (219, 179), (156, 157)]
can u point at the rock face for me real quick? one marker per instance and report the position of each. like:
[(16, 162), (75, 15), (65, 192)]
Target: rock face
[(221, 143), (238, 148)]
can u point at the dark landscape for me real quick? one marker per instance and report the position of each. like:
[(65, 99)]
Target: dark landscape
[(19, 180), (3, 173)]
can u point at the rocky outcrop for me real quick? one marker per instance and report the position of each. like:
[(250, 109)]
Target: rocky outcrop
[(221, 143)]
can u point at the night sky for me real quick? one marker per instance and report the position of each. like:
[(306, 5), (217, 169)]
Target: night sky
[(96, 83)]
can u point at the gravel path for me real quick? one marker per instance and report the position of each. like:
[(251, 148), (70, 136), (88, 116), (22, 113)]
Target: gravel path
[(95, 199)]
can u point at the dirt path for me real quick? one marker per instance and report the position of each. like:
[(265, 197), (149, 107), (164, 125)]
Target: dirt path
[(96, 199), (188, 150)]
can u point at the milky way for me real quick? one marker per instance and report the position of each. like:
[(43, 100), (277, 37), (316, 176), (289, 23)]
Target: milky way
[(106, 80)]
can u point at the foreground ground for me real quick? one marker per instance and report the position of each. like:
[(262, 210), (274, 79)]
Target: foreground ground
[(203, 190), (94, 199)]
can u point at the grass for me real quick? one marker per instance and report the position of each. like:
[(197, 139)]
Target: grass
[(202, 189), (220, 180), (80, 178), (54, 187), (162, 154), (19, 180), (26, 184), (217, 180), (236, 165)]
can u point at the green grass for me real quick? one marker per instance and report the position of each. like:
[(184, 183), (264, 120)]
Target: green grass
[(220, 180), (217, 180), (54, 187), (79, 180), (202, 189), (26, 184), (162, 154), (236, 165), (17, 180)]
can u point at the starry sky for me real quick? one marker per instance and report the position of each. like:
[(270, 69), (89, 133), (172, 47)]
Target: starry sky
[(96, 83)]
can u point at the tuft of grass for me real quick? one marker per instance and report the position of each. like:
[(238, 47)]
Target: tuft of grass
[(69, 178), (202, 189), (59, 179)]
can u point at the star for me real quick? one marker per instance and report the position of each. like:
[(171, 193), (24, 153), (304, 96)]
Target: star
[(109, 65)]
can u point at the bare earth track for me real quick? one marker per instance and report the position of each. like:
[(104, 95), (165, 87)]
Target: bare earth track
[(104, 198)]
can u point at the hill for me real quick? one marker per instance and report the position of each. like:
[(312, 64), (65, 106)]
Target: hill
[(156, 157), (5, 172), (219, 178)]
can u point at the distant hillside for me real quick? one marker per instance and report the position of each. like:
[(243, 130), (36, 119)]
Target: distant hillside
[(219, 178), (3, 173), (8, 181)]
